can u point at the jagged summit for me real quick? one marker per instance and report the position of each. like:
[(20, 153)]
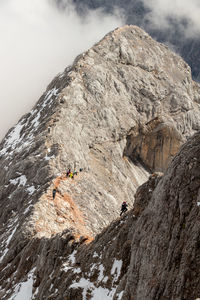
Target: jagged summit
[(120, 112)]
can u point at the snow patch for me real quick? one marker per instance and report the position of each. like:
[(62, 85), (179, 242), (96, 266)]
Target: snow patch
[(77, 271), (66, 267), (98, 293), (95, 254), (49, 95), (116, 269), (9, 238), (105, 279), (19, 180), (101, 270), (31, 189), (27, 209), (12, 139), (35, 122), (23, 291), (72, 258), (49, 157), (120, 295), (15, 140)]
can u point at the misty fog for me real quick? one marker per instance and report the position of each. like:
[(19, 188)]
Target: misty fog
[(162, 11), (38, 42)]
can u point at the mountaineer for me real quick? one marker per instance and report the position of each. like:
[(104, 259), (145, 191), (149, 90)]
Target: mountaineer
[(54, 193), (68, 172), (124, 208), (71, 175)]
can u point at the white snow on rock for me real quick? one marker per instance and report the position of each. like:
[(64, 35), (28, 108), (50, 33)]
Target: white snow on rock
[(23, 291), (98, 293), (31, 189), (72, 257), (49, 157), (11, 233), (120, 295), (66, 267), (101, 270), (49, 95), (95, 254), (17, 141), (77, 271), (35, 122), (19, 180), (116, 269), (12, 139), (105, 279)]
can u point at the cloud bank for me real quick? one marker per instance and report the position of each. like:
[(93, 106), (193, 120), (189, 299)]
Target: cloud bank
[(185, 13), (37, 42)]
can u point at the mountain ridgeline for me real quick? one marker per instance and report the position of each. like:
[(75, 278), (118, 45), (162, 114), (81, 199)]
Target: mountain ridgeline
[(123, 114)]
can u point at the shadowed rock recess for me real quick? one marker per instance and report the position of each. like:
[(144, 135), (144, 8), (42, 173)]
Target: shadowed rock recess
[(119, 113)]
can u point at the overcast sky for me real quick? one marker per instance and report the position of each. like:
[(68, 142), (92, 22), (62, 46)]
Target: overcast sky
[(37, 42), (161, 10)]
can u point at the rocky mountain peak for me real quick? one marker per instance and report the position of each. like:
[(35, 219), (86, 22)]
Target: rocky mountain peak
[(119, 113)]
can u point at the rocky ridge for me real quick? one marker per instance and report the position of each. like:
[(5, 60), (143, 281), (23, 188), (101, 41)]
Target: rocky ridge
[(153, 251), (120, 112)]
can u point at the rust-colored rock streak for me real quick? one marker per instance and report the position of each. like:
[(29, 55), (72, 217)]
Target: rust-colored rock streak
[(74, 216)]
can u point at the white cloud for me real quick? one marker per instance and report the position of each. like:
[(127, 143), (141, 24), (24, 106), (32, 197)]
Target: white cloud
[(163, 10), (37, 42)]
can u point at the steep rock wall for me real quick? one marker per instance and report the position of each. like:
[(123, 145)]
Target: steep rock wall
[(153, 251), (94, 116)]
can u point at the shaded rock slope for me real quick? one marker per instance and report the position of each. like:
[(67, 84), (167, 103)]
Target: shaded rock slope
[(153, 251), (120, 112)]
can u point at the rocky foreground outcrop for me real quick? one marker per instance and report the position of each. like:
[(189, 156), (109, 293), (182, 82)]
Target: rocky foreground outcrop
[(152, 252), (119, 113)]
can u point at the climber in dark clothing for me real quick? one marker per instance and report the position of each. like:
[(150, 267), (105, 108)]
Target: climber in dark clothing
[(54, 193), (124, 208), (68, 172)]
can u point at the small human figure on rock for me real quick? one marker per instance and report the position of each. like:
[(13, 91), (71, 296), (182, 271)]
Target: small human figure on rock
[(54, 193), (68, 172), (71, 175), (124, 208)]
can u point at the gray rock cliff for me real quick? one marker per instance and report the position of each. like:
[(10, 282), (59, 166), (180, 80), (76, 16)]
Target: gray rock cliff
[(153, 251), (120, 112)]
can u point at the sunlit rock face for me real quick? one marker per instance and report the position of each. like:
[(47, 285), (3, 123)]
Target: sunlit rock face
[(119, 113)]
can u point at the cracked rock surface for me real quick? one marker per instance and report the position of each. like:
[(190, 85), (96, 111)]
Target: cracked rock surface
[(119, 113)]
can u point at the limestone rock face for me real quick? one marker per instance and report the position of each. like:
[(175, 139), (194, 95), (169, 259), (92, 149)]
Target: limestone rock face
[(154, 143), (153, 251), (121, 111)]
